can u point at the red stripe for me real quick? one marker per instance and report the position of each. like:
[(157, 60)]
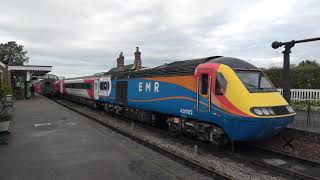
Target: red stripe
[(230, 106)]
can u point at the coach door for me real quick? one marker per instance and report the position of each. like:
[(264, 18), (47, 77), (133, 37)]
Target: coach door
[(204, 92), (96, 89), (122, 92), (61, 87)]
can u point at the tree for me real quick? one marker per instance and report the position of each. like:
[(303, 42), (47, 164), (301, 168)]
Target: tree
[(12, 54), (308, 63)]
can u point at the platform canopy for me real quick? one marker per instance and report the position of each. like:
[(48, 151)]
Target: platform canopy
[(27, 71), (33, 70)]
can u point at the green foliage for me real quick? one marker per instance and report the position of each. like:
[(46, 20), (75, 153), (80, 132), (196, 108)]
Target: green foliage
[(308, 63), (12, 54), (5, 89), (304, 76), (303, 105)]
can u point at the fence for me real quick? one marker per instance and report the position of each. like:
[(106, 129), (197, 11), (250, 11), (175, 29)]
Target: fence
[(304, 94)]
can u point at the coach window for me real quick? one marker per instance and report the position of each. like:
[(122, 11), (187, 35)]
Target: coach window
[(88, 86), (221, 84), (204, 84)]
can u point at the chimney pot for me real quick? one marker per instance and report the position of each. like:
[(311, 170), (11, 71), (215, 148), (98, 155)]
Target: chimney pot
[(120, 61), (137, 59)]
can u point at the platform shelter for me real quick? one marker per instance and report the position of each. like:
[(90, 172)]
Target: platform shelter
[(21, 76)]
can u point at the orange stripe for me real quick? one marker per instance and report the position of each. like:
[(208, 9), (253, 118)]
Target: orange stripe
[(188, 82)]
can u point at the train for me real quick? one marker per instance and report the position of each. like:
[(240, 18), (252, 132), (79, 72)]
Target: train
[(216, 99), (45, 85)]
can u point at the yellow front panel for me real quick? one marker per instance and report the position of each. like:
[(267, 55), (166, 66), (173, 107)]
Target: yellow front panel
[(240, 97)]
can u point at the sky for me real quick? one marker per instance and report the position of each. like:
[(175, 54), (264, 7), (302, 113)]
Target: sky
[(83, 37)]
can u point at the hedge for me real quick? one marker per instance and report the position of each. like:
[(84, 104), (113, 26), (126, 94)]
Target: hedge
[(301, 77)]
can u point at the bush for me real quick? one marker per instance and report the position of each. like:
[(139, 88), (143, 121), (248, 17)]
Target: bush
[(5, 89), (301, 77), (303, 105)]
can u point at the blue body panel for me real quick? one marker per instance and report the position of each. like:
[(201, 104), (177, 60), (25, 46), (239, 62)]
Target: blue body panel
[(179, 101)]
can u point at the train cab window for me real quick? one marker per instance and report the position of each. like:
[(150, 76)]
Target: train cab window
[(221, 84), (104, 86), (204, 84)]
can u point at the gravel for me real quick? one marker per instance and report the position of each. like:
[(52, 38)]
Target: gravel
[(305, 145)]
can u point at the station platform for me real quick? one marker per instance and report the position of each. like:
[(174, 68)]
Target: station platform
[(309, 125), (49, 141)]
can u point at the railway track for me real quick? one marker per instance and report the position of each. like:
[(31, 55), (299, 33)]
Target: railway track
[(294, 166), (209, 171), (290, 166)]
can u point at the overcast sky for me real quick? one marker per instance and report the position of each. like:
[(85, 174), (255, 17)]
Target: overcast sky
[(83, 37)]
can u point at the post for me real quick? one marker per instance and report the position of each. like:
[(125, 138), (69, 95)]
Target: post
[(132, 125), (195, 150), (286, 70), (27, 85)]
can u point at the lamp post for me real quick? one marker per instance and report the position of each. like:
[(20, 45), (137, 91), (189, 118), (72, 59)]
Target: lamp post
[(286, 62)]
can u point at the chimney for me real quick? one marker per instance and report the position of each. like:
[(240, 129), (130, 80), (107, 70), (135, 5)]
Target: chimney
[(137, 59), (120, 61)]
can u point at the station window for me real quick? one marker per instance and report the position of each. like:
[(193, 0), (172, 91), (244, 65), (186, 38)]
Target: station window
[(204, 84), (221, 84)]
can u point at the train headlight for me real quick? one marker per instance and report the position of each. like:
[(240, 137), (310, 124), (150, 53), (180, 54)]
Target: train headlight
[(289, 108), (271, 111), (257, 111), (265, 111)]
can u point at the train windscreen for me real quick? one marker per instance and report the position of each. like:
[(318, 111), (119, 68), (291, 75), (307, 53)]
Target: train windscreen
[(256, 81)]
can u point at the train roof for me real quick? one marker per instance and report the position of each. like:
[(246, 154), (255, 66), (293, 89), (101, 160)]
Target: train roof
[(186, 67), (82, 77), (234, 63)]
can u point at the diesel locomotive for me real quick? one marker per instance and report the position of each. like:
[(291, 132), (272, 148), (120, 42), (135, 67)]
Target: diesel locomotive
[(217, 99)]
